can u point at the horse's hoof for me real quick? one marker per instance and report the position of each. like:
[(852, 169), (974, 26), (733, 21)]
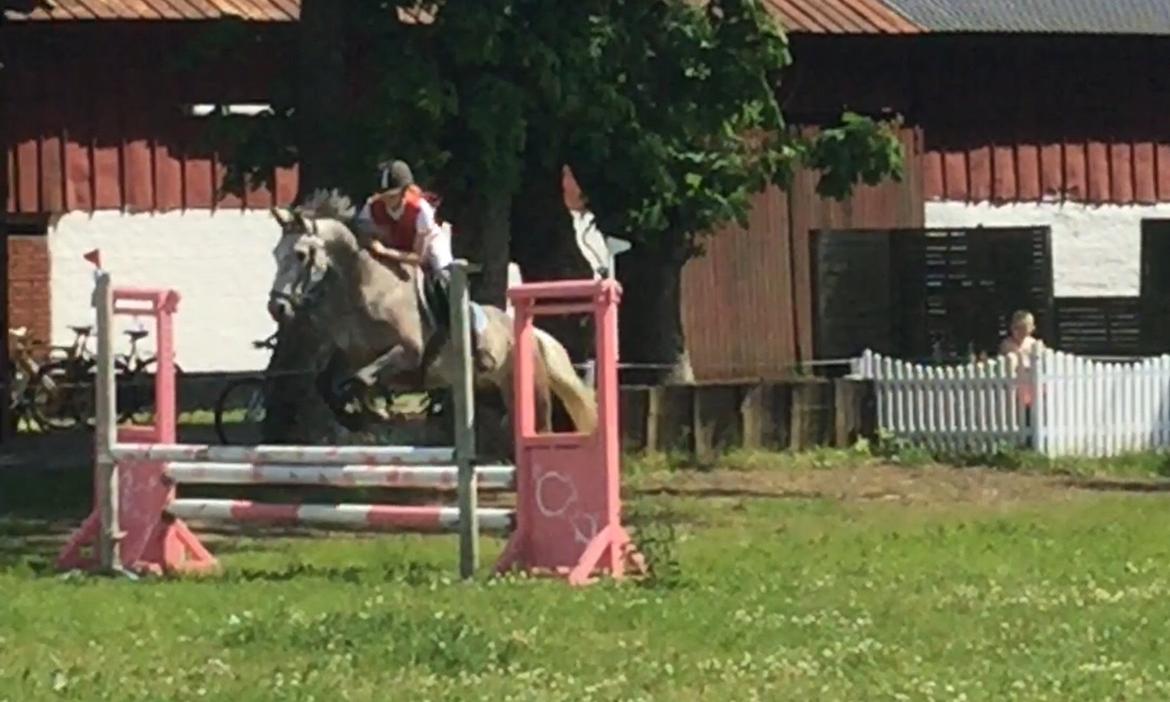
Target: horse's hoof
[(351, 422)]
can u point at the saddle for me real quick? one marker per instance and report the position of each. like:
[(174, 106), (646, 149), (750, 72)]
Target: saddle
[(433, 307)]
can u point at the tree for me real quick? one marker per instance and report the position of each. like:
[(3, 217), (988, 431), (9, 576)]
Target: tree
[(674, 125), (665, 110)]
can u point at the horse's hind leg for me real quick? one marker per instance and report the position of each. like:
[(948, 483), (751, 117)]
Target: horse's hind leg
[(542, 396)]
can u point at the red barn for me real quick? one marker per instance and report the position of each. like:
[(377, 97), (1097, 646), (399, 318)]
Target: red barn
[(1042, 125), (106, 148)]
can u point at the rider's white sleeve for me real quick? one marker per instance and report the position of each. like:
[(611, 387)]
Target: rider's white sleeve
[(432, 242)]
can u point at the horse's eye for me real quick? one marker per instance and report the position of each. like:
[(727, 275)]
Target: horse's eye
[(302, 256)]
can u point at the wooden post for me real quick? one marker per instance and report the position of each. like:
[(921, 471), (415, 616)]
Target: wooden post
[(464, 393), (105, 430)]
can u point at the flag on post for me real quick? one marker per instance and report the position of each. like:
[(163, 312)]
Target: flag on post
[(94, 257)]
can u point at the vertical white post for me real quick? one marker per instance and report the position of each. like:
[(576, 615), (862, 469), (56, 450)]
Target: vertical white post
[(106, 430), (464, 391), (1040, 389)]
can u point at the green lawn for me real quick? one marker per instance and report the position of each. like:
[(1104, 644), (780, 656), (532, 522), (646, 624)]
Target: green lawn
[(851, 583)]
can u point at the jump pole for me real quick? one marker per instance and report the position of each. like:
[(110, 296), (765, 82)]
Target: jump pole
[(464, 391), (567, 520)]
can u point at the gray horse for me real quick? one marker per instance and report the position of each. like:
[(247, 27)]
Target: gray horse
[(374, 314)]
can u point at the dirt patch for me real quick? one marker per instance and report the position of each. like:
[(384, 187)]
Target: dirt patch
[(927, 485)]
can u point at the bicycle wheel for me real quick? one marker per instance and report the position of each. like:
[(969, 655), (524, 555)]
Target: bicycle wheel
[(240, 412), (61, 395)]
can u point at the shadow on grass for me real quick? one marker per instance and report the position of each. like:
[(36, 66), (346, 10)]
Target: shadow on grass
[(708, 491), (1120, 485), (46, 494), (31, 543), (408, 573)]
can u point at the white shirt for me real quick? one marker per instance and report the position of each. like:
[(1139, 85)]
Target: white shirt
[(431, 241)]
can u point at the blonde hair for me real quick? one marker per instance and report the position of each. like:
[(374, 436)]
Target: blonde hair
[(1022, 317)]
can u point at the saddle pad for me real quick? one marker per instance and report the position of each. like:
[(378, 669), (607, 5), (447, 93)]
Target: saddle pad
[(478, 318)]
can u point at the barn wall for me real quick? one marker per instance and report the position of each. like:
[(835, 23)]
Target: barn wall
[(1096, 250), (1067, 132), (747, 302), (221, 263), (737, 298), (98, 138), (95, 120), (1006, 118), (28, 285), (1078, 119)]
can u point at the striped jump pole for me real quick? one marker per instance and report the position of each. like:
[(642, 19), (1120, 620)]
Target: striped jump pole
[(139, 522), (567, 519), (426, 518), (497, 477)]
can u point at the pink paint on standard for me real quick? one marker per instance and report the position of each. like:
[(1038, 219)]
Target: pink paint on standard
[(568, 512), (151, 541)]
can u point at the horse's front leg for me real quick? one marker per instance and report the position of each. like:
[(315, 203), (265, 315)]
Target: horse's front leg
[(398, 359)]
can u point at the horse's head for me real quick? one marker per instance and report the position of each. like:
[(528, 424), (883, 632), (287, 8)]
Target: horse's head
[(313, 241), (302, 265)]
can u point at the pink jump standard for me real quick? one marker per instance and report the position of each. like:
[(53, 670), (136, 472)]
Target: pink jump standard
[(567, 519), (129, 527)]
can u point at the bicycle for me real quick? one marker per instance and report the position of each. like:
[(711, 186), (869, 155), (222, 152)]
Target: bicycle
[(247, 393), (22, 369), (61, 390), (68, 383), (135, 385)]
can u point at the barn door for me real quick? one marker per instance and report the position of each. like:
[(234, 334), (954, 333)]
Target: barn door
[(1155, 286), (852, 293), (973, 279)]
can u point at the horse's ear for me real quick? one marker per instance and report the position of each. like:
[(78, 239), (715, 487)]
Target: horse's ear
[(299, 220), (280, 214)]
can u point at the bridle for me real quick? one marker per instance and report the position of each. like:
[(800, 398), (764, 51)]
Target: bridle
[(304, 295)]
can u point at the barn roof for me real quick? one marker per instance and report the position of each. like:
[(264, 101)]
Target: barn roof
[(1132, 17), (72, 10), (797, 16), (870, 17), (840, 17)]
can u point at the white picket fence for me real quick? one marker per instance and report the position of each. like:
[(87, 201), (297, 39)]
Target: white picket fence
[(1079, 407)]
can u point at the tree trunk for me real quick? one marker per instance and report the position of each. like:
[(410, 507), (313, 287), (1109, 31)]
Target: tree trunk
[(294, 410), (545, 246), (483, 236), (650, 318), (322, 77)]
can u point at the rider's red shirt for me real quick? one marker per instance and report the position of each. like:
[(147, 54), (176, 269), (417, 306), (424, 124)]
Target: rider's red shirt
[(398, 233)]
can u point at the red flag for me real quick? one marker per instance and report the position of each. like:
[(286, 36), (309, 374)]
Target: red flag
[(94, 257)]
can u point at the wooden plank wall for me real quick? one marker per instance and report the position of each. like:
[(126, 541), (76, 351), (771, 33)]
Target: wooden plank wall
[(96, 120), (747, 303)]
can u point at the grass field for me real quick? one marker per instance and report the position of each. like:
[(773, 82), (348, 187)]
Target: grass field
[(783, 582)]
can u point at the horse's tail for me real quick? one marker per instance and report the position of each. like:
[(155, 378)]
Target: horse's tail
[(566, 384)]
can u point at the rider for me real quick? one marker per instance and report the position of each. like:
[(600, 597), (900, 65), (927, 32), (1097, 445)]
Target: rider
[(404, 229)]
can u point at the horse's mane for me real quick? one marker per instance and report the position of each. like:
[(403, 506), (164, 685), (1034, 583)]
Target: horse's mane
[(327, 204)]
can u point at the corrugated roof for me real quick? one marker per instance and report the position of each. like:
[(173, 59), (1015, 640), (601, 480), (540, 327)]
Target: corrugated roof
[(840, 17), (73, 10), (1134, 17), (797, 16)]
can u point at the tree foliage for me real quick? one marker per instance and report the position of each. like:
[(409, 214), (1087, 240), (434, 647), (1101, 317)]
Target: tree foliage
[(665, 109)]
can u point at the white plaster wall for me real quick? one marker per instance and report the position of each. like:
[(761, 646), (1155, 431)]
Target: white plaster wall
[(220, 262), (1096, 250)]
